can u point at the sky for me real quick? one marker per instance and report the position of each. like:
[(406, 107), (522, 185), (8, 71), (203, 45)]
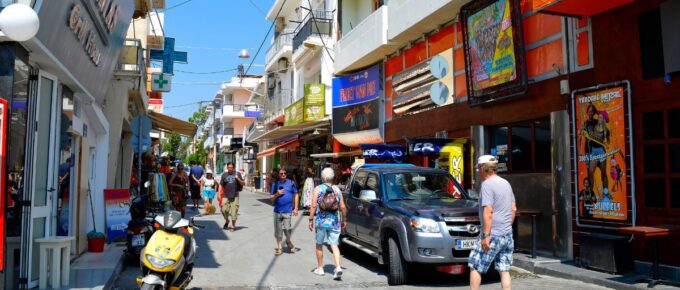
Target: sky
[(212, 32)]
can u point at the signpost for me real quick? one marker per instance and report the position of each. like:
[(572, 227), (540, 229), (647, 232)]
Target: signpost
[(141, 126)]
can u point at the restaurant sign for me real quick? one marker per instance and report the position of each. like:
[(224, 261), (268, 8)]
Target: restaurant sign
[(294, 113), (315, 100)]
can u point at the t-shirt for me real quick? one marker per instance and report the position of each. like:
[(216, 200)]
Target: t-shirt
[(195, 171), (327, 220), (497, 193), (228, 182), (284, 203), (208, 183)]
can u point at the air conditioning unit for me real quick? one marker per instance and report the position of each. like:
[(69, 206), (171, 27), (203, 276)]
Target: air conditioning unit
[(279, 24)]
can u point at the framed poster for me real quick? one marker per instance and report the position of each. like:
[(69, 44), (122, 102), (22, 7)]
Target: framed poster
[(494, 50), (4, 115), (603, 162), (117, 213)]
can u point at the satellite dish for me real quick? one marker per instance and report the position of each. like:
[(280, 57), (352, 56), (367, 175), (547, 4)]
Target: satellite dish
[(439, 93)]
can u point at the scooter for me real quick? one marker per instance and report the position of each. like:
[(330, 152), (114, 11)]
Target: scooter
[(140, 227), (167, 260)]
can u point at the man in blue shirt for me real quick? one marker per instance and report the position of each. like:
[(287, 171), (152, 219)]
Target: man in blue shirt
[(284, 195), (195, 175)]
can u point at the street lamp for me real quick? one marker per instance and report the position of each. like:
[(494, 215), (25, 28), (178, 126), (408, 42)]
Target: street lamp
[(19, 22), (244, 53)]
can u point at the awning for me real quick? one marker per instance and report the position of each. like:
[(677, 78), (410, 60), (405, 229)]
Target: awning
[(576, 7), (272, 151), (286, 131), (336, 154), (172, 125)]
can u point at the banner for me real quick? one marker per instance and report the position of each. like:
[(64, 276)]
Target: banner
[(315, 100), (4, 114), (117, 213), (428, 146), (601, 149), (358, 117), (294, 113), (357, 88), (384, 152)]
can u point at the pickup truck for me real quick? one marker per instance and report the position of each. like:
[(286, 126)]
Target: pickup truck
[(404, 215)]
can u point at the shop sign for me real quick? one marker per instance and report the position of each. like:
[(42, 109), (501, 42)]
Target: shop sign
[(161, 82), (493, 46), (294, 113), (424, 86), (430, 146), (600, 120), (315, 99), (156, 105), (3, 164), (356, 88), (357, 117), (383, 151), (117, 213)]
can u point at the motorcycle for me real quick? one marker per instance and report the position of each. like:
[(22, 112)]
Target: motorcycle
[(167, 260), (140, 227)]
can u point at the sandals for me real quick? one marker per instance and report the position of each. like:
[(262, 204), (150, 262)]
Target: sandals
[(291, 247), (278, 252)]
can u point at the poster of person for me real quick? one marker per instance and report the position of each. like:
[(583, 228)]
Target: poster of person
[(491, 46), (601, 150)]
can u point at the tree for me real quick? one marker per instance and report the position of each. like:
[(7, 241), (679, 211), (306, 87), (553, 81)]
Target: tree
[(199, 118), (172, 144)]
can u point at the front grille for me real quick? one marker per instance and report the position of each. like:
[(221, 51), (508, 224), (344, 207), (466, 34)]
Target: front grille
[(465, 227)]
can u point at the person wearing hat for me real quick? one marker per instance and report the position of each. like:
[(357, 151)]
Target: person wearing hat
[(208, 189), (497, 212)]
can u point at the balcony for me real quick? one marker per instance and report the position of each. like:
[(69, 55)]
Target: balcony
[(410, 19), (365, 44), (282, 47), (131, 59), (231, 111), (320, 24), (275, 104)]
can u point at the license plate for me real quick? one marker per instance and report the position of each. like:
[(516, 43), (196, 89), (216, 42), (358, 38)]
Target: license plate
[(138, 240), (466, 244)]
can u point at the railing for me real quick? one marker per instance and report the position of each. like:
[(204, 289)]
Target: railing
[(322, 26), (276, 102), (282, 40), (140, 66)]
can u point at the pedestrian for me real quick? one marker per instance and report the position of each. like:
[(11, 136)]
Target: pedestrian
[(195, 175), (284, 195), (179, 182), (497, 212), (324, 216), (232, 184), (208, 189)]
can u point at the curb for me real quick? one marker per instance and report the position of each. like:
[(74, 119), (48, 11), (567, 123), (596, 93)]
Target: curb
[(589, 280), (116, 272)]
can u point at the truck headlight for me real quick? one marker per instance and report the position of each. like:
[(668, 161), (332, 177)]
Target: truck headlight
[(159, 263), (424, 225)]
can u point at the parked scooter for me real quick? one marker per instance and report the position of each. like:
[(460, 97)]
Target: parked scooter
[(140, 226), (167, 260)]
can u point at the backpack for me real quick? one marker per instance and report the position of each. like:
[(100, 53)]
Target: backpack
[(328, 201)]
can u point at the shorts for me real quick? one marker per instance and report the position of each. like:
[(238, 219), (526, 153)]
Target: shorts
[(209, 193), (333, 236), (282, 224), (500, 252), (230, 208), (195, 191), (598, 151)]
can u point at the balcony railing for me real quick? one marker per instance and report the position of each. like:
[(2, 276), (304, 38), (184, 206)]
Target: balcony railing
[(281, 41), (132, 57), (321, 24)]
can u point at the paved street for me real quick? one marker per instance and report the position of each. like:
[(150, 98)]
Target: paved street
[(245, 259)]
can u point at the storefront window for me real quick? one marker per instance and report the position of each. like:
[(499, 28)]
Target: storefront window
[(660, 148), (522, 147), (66, 161)]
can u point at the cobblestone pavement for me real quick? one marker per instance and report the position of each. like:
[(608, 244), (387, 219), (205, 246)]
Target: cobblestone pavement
[(245, 259)]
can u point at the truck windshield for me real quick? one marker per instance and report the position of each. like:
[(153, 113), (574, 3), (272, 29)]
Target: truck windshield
[(419, 185)]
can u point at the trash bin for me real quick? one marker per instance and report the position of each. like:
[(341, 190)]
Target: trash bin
[(257, 182)]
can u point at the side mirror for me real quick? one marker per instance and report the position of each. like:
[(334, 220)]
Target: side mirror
[(473, 194), (368, 195)]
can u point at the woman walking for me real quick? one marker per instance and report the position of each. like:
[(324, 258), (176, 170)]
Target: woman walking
[(208, 189), (179, 182)]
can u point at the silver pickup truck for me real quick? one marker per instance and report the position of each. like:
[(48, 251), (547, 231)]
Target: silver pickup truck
[(403, 215)]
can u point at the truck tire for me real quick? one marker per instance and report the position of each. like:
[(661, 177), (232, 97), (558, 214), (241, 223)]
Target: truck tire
[(397, 271)]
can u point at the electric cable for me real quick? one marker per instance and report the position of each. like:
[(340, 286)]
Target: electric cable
[(175, 6), (258, 8), (311, 12), (207, 73), (265, 37)]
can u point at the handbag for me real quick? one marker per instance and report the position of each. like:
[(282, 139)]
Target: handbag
[(239, 187)]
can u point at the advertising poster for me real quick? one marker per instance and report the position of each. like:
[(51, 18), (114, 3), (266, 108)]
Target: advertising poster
[(117, 213), (492, 50), (358, 117), (356, 88), (315, 99), (3, 164), (600, 157), (294, 113)]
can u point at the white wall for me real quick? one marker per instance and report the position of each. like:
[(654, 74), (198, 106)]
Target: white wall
[(98, 142), (353, 12)]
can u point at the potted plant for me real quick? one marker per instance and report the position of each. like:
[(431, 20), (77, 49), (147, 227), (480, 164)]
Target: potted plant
[(95, 241)]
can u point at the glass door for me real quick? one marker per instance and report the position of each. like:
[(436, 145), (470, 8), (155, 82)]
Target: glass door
[(45, 181)]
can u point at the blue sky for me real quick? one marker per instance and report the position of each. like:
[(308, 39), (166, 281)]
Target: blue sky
[(212, 32)]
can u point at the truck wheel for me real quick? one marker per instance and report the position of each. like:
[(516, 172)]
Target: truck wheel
[(397, 266)]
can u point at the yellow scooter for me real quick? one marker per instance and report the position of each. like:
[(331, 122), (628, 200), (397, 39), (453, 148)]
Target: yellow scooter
[(168, 259)]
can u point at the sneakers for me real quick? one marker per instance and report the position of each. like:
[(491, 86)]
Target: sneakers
[(319, 271), (337, 275), (226, 226)]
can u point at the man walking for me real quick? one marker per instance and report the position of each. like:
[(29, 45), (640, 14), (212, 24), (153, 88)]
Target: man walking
[(497, 212), (231, 183), (284, 195), (195, 175)]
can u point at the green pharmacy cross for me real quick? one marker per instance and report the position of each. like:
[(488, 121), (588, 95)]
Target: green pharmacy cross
[(160, 82)]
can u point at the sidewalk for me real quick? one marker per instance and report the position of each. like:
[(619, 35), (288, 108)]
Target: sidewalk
[(97, 270), (569, 270)]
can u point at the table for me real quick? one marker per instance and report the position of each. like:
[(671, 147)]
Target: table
[(533, 214), (61, 262), (655, 233)]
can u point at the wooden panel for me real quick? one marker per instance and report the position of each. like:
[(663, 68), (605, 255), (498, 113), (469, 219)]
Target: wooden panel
[(540, 26), (441, 40), (540, 60), (394, 65), (416, 54), (582, 49), (459, 59), (461, 88)]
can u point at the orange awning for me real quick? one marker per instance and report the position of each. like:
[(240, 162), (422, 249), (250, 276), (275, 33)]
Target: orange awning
[(271, 151), (576, 7)]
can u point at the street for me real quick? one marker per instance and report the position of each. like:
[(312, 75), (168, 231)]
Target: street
[(245, 259)]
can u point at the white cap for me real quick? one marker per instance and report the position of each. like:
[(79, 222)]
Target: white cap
[(487, 159), (208, 171)]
